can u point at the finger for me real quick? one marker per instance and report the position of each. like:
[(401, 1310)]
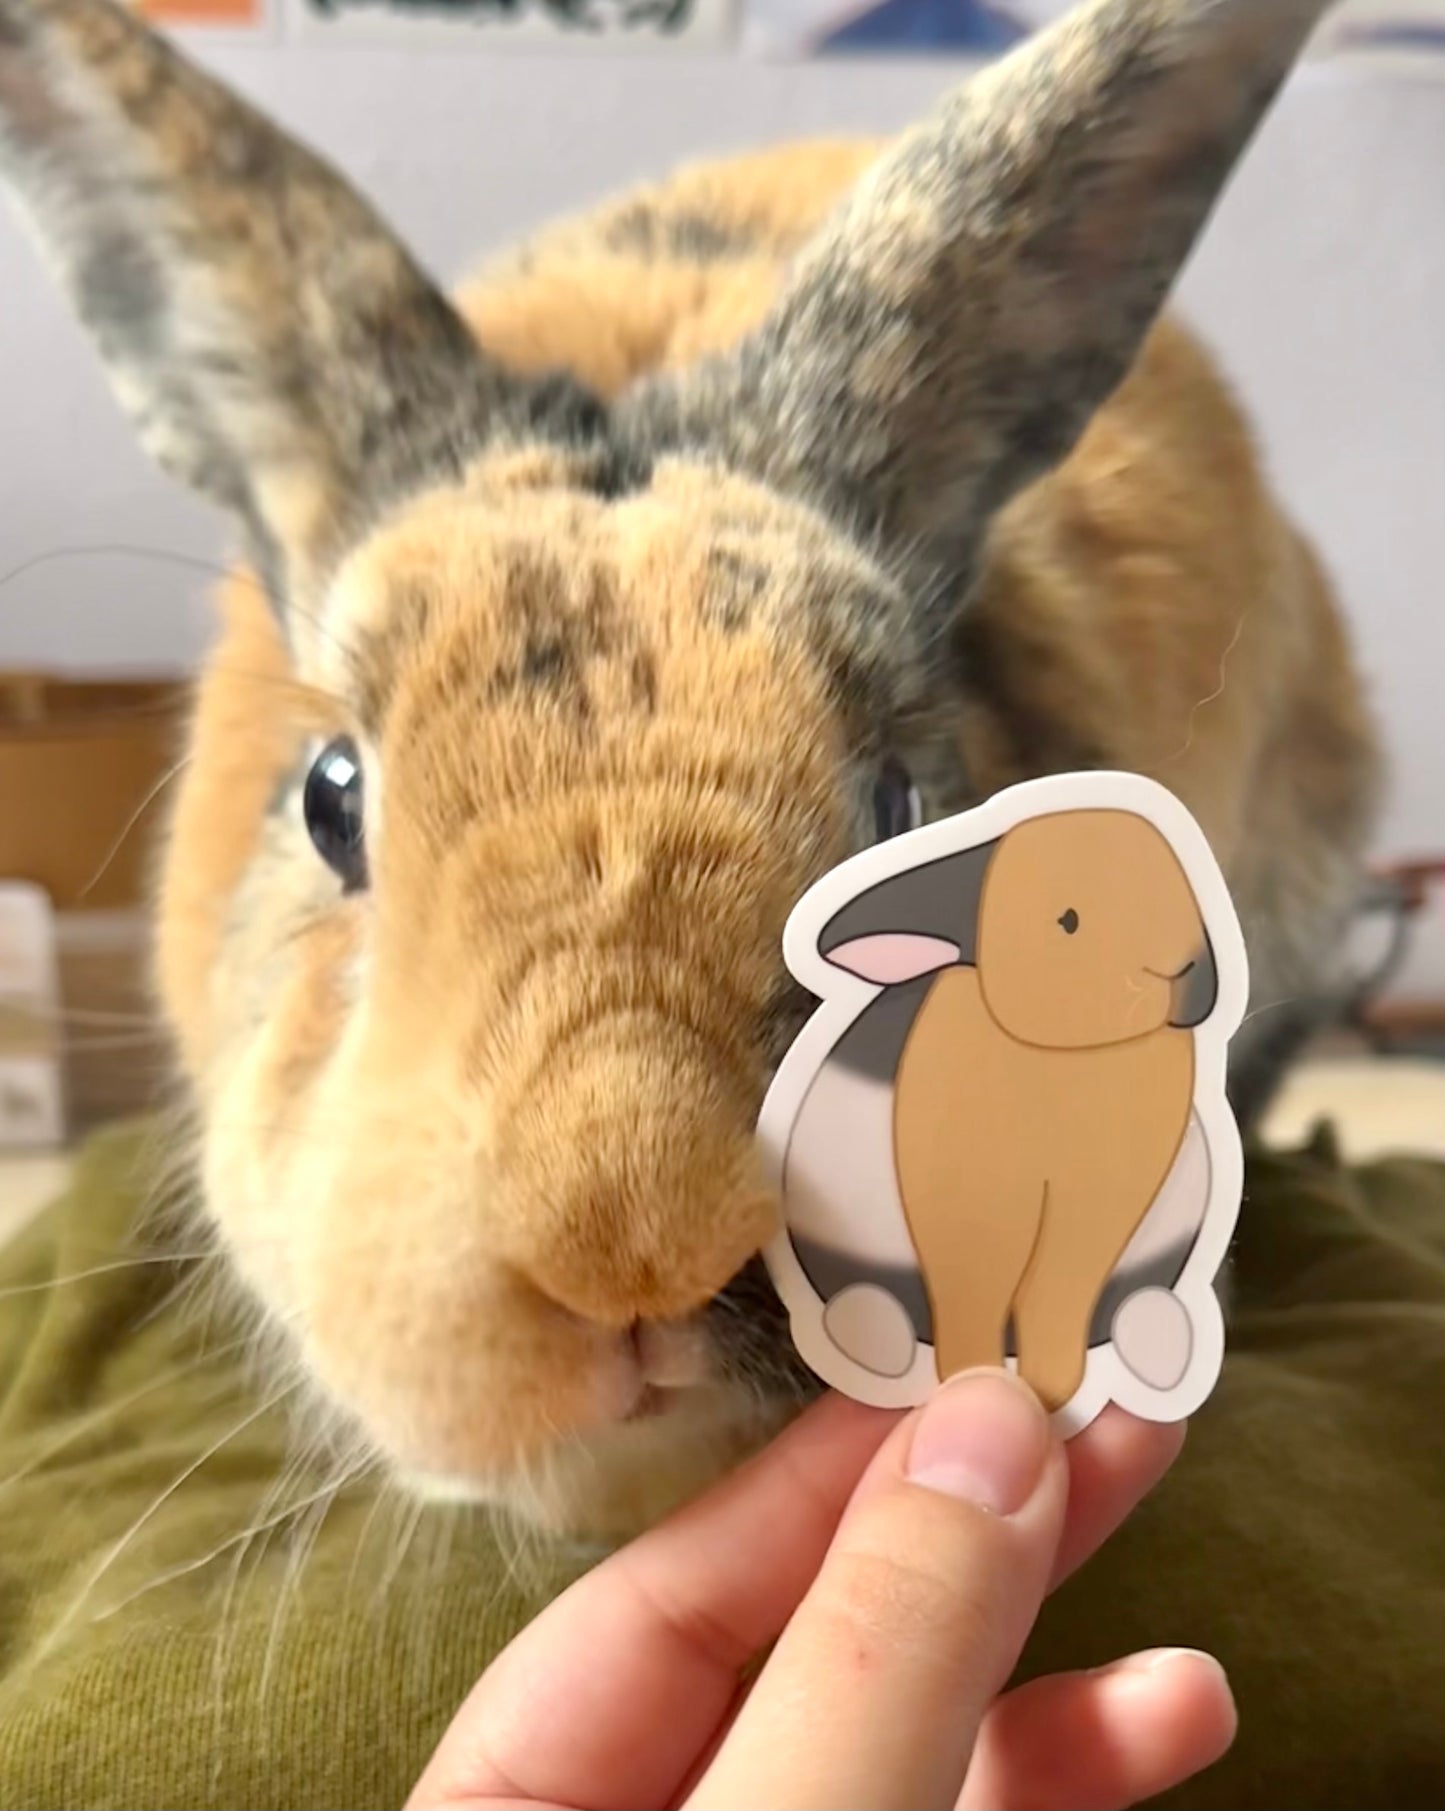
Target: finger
[(1114, 1463), (875, 1692), (1106, 1739), (607, 1698)]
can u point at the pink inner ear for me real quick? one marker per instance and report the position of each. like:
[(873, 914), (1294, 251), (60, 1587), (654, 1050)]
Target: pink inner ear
[(896, 956)]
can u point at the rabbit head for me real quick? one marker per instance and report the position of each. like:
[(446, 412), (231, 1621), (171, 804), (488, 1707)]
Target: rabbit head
[(472, 913)]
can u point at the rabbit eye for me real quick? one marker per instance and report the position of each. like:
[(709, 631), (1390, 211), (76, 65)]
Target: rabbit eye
[(897, 807), (333, 809), (1069, 922)]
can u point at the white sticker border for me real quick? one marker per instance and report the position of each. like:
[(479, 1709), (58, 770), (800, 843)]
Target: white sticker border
[(843, 997)]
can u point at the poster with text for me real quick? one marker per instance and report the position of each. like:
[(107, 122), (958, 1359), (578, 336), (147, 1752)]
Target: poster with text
[(648, 26)]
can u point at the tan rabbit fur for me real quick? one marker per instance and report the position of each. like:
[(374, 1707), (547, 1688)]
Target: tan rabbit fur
[(625, 577)]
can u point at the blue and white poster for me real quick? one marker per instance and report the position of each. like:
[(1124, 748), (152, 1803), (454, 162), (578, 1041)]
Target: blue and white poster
[(1390, 30), (1409, 34), (957, 28)]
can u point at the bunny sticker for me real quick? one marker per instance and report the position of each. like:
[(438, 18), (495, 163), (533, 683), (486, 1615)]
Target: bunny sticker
[(1004, 1134)]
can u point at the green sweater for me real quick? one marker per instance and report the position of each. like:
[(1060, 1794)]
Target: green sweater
[(153, 1653)]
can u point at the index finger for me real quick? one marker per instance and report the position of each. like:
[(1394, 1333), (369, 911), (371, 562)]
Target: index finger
[(607, 1698)]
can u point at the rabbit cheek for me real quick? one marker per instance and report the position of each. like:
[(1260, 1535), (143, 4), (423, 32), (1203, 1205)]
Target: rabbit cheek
[(272, 1124), (256, 1218)]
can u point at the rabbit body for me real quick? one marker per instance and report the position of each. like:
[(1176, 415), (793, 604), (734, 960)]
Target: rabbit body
[(620, 579)]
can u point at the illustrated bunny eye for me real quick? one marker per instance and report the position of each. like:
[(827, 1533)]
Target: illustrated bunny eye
[(897, 808), (333, 807), (1069, 923)]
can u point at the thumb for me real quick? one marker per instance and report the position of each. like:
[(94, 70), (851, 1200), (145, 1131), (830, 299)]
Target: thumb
[(875, 1692)]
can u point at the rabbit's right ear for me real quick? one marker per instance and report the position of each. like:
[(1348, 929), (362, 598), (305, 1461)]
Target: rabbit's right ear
[(276, 346), (950, 331)]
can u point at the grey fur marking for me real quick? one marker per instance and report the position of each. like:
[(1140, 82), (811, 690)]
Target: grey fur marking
[(830, 1272), (652, 232)]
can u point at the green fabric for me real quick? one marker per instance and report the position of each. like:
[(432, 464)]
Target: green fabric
[(1301, 1537)]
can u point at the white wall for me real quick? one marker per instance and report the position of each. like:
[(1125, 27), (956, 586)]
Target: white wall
[(1321, 283)]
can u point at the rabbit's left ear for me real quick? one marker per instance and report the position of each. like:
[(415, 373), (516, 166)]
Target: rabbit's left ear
[(276, 346)]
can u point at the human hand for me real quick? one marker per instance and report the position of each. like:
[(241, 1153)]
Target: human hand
[(899, 1566)]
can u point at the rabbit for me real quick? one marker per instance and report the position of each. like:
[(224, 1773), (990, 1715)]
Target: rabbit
[(583, 621)]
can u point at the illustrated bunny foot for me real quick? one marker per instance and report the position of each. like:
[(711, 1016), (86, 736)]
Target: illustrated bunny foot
[(1154, 1337), (872, 1329)]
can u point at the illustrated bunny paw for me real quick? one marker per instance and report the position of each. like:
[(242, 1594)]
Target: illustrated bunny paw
[(1154, 1337), (872, 1328)]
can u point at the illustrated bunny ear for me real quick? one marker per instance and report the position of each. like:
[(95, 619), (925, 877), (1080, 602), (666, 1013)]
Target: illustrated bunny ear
[(890, 957), (276, 346), (988, 283), (912, 923)]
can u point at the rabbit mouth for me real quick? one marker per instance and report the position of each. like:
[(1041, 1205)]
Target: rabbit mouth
[(620, 1478), (655, 1400), (672, 1365)]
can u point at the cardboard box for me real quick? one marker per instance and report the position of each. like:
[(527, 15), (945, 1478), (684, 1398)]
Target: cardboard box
[(84, 768), (32, 1104), (117, 1055)]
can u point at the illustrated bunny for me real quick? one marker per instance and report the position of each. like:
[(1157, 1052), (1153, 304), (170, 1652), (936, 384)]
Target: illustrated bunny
[(1005, 1133), (588, 619)]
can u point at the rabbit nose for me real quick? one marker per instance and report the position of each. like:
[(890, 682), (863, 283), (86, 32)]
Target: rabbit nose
[(631, 1216), (601, 1278), (630, 1263), (628, 1183)]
